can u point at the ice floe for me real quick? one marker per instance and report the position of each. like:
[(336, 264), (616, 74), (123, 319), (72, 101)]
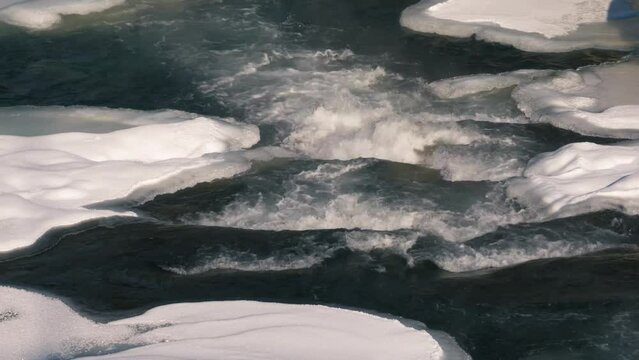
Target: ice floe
[(595, 100), (43, 14), (49, 180), (472, 84), (540, 26), (581, 178), (212, 330)]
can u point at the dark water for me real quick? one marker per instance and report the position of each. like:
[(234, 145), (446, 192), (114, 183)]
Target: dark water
[(375, 234), (128, 64), (580, 307)]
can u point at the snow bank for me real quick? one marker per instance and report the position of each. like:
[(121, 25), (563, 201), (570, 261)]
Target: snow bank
[(540, 25), (596, 100), (581, 178), (43, 14), (49, 180), (211, 330)]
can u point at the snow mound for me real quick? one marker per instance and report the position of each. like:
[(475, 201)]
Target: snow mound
[(580, 178), (212, 330), (596, 100), (49, 180)]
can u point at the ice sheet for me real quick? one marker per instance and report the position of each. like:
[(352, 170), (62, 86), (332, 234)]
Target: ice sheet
[(212, 330), (540, 26), (49, 180)]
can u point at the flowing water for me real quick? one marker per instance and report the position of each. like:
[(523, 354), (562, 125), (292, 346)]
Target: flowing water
[(389, 198)]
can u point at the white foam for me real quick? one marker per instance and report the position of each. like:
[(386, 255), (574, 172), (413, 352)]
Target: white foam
[(336, 209), (472, 84), (220, 330), (580, 178), (350, 130), (466, 258), (242, 262), (346, 126), (346, 114), (370, 241), (49, 180), (475, 163), (44, 14), (306, 253), (352, 211), (540, 25), (324, 108), (524, 244), (346, 133), (449, 256), (596, 100)]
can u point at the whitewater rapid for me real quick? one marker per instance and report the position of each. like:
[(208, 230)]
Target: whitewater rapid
[(335, 152)]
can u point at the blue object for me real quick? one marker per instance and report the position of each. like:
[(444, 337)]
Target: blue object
[(623, 9)]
